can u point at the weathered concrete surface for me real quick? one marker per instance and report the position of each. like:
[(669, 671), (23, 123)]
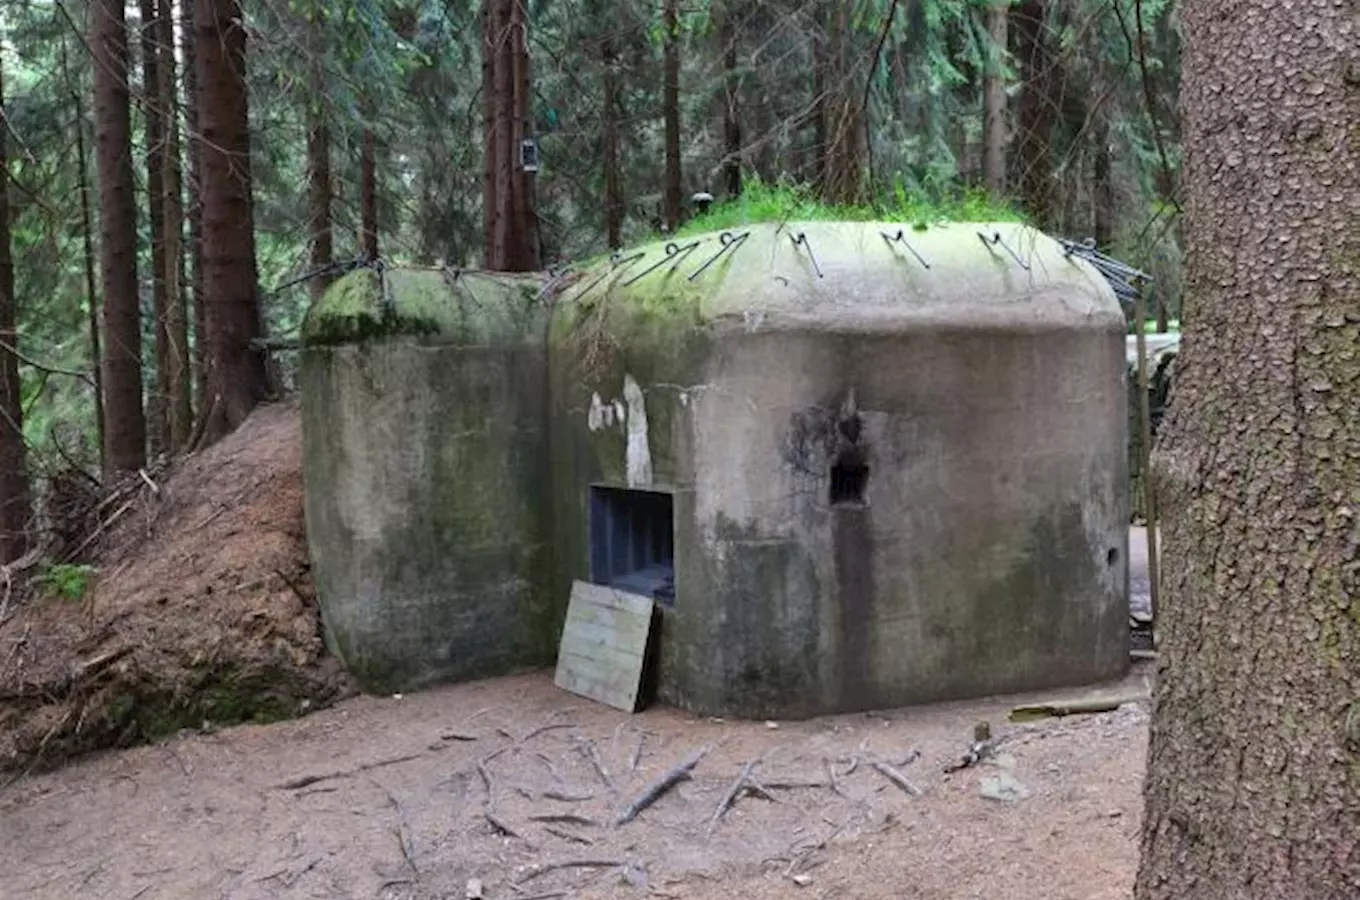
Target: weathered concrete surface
[(986, 397), (991, 554), (426, 466)]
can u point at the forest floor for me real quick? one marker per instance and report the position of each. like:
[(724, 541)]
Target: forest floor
[(387, 798)]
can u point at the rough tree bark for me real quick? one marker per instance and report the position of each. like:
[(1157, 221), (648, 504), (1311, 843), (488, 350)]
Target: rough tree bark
[(14, 497), (1032, 173), (87, 249), (510, 225), (670, 113), (727, 38), (125, 425), (153, 120), (319, 185), (1253, 785), (613, 192), (368, 195), (994, 102), (843, 157), (179, 397), (195, 209), (237, 377)]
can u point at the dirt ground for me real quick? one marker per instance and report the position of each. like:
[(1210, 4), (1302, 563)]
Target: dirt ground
[(384, 798)]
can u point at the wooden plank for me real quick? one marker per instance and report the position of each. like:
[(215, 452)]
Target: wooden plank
[(604, 645)]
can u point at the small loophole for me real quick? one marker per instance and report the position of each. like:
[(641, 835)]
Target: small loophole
[(848, 483), (1112, 558)]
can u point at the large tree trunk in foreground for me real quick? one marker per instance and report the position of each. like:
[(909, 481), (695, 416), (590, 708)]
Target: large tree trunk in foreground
[(994, 102), (510, 225), (319, 194), (237, 379), (154, 116), (179, 399), (670, 113), (14, 505), (125, 426), (843, 157), (1253, 785)]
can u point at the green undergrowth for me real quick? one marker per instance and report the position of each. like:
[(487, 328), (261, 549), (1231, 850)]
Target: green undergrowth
[(761, 202)]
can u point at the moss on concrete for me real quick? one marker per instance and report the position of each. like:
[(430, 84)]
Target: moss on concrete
[(467, 307)]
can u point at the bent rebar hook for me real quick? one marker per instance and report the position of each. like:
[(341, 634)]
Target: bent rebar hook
[(672, 250), (616, 262), (995, 239), (728, 243), (801, 239), (901, 238)]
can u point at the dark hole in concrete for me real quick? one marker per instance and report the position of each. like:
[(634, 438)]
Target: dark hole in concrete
[(849, 479), (632, 542), (1112, 557)]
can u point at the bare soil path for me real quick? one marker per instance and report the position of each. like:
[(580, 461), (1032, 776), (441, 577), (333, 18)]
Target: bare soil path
[(384, 798)]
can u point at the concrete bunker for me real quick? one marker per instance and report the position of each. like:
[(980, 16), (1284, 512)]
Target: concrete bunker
[(854, 467)]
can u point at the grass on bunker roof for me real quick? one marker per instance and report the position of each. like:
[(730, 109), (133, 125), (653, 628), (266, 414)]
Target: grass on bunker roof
[(786, 201)]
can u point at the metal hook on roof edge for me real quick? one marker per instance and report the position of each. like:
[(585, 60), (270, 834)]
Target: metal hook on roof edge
[(616, 262), (800, 239), (672, 251), (996, 239), (901, 238), (729, 242)]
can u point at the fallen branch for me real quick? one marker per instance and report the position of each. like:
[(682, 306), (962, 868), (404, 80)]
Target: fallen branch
[(566, 796), (303, 781), (731, 796), (896, 777), (1060, 708), (499, 824), (637, 753), (541, 869), (669, 779), (565, 819), (566, 835), (548, 727), (587, 749)]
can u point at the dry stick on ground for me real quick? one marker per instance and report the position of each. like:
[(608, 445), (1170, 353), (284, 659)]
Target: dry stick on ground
[(587, 749), (569, 835), (566, 796), (637, 753), (669, 779), (565, 819), (541, 869), (896, 777), (730, 797), (548, 727), (303, 781), (1058, 708), (831, 774)]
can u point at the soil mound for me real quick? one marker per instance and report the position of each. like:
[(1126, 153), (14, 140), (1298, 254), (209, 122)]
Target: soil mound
[(199, 609)]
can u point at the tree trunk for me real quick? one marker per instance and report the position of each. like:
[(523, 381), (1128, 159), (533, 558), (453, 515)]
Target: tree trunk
[(613, 194), (994, 102), (1035, 110), (1102, 185), (319, 194), (842, 179), (237, 379), (179, 397), (125, 426), (368, 196), (820, 81), (510, 225), (727, 37), (157, 407), (14, 502), (195, 209), (1253, 785), (87, 246), (670, 113)]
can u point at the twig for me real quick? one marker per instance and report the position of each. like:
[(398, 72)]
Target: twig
[(155, 488), (542, 728), (569, 835), (457, 736), (303, 781), (500, 824), (896, 778), (831, 774), (541, 869), (565, 819), (653, 791), (43, 367), (1059, 708), (637, 753), (567, 797), (587, 749), (730, 797)]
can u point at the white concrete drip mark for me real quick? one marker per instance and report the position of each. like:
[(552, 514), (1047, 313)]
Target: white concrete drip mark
[(639, 453)]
